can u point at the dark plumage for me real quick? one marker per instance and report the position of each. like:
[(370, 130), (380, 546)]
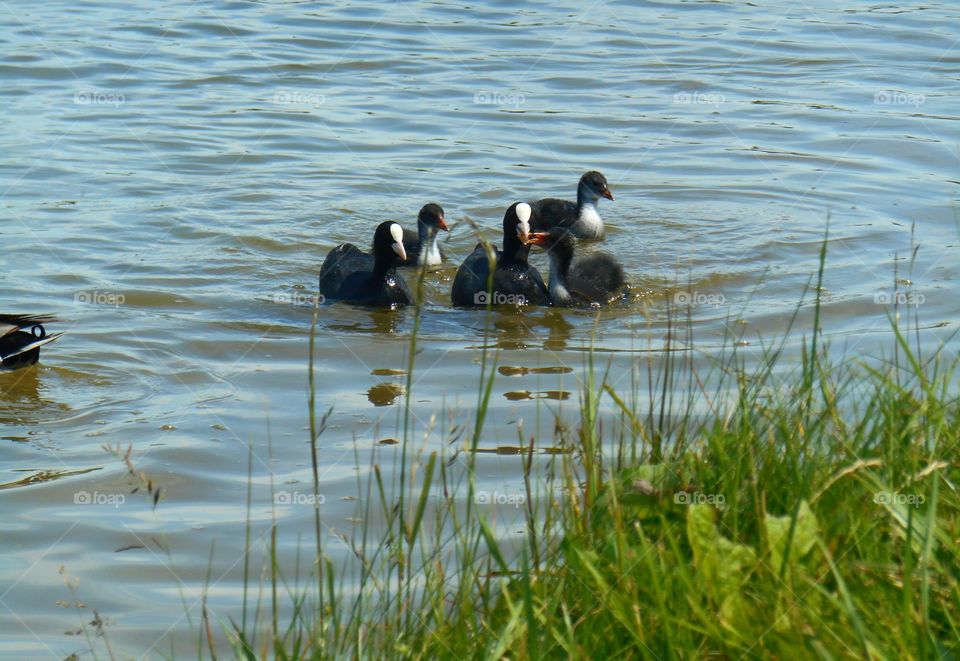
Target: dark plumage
[(18, 347), (594, 279), (515, 281), (351, 275), (581, 218)]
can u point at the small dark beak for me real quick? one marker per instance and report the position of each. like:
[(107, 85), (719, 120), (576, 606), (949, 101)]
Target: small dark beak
[(442, 224), (537, 238), (607, 194)]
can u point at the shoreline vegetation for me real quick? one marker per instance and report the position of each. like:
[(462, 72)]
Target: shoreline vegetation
[(812, 513)]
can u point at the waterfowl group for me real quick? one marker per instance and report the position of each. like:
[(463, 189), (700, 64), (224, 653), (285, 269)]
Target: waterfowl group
[(489, 276)]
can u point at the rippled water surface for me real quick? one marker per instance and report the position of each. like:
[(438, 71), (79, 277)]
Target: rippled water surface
[(174, 173)]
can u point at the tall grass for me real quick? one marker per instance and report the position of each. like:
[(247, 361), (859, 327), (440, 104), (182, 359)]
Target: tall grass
[(809, 513), (760, 510)]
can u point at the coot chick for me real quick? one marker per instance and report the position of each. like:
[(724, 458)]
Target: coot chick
[(347, 273), (423, 245), (515, 281), (581, 218), (19, 347), (592, 280)]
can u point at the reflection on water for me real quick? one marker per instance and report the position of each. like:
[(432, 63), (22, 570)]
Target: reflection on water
[(517, 329), (519, 395), (387, 371), (384, 394), (361, 320), (39, 477), (516, 450), (24, 402), (519, 370)]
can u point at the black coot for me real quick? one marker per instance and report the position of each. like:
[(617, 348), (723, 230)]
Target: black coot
[(591, 280), (19, 347), (581, 218), (515, 281), (347, 273)]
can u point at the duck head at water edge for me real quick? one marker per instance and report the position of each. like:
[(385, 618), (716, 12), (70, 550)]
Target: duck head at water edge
[(21, 336)]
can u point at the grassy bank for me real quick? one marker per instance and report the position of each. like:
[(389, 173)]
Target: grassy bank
[(812, 513)]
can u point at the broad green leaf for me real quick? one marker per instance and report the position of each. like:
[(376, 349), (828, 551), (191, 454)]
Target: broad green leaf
[(778, 534), (724, 565)]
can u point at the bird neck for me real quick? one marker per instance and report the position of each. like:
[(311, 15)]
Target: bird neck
[(383, 264), (558, 287), (514, 252), (429, 247), (586, 196), (589, 219)]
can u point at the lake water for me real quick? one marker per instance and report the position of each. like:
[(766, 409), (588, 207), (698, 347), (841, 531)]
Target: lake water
[(174, 173)]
